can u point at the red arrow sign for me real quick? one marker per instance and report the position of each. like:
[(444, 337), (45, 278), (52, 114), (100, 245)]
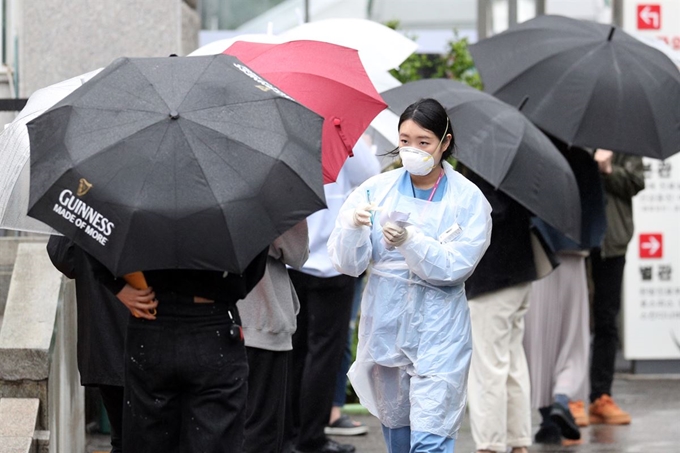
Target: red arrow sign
[(649, 17), (651, 245)]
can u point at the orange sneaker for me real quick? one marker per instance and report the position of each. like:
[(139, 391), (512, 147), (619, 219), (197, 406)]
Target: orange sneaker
[(604, 410), (578, 411)]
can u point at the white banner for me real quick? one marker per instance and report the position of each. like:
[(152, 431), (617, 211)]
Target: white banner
[(652, 273)]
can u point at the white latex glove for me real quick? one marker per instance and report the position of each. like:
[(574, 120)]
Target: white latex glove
[(363, 214), (394, 235)]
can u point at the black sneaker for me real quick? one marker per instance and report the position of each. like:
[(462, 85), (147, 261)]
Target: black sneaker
[(562, 417), (344, 426), (548, 434), (330, 446)]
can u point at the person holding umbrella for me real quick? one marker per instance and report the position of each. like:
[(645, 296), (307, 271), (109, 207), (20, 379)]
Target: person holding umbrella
[(623, 178), (423, 229), (269, 321), (186, 369), (101, 332)]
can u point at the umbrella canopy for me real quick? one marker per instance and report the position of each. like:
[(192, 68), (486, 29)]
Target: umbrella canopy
[(588, 84), (15, 152), (221, 45), (379, 46), (327, 78), (381, 78), (163, 163), (501, 145)]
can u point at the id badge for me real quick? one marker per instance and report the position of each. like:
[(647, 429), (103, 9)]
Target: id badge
[(450, 233)]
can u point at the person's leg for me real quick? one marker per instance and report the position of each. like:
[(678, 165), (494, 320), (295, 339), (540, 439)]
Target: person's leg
[(267, 400), (152, 411), (397, 440), (328, 304), (212, 370), (492, 323), (113, 399), (607, 280), (518, 386), (422, 442), (337, 424)]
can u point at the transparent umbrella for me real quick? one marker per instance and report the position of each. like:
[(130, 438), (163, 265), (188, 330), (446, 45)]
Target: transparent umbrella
[(15, 153)]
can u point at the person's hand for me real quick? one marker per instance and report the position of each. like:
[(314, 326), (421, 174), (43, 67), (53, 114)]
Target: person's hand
[(394, 235), (603, 157), (140, 302), (363, 213)]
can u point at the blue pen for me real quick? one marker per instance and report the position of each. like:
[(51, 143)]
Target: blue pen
[(368, 197)]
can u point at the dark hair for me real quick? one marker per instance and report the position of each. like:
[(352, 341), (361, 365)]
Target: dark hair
[(431, 115)]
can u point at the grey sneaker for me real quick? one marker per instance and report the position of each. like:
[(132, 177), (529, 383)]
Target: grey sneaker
[(344, 426)]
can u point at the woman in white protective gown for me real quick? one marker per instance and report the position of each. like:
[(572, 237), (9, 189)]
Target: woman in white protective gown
[(423, 228)]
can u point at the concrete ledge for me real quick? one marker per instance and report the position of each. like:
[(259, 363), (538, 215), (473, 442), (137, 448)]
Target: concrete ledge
[(29, 316), (9, 246), (18, 418)]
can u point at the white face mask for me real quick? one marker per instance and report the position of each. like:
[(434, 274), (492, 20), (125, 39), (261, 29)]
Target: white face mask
[(416, 161)]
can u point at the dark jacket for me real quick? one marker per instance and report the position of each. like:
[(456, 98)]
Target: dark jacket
[(509, 260), (593, 218), (102, 318), (621, 185)]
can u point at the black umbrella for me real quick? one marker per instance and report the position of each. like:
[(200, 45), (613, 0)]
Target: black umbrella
[(184, 162), (588, 84), (501, 145)]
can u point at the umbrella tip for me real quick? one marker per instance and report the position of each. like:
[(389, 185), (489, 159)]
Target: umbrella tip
[(611, 33), (173, 115), (523, 103)]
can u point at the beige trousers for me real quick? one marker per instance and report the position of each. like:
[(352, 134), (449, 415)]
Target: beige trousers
[(498, 387)]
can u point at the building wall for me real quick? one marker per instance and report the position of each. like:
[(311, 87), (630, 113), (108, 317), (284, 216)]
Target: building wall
[(59, 39)]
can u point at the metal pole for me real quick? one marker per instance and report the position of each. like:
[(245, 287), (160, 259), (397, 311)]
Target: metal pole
[(306, 11), (483, 19), (540, 7), (512, 13), (617, 13)]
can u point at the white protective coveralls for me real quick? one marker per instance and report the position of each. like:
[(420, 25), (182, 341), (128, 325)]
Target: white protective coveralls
[(415, 343)]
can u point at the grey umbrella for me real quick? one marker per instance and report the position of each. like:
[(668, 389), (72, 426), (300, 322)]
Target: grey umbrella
[(184, 162), (588, 84), (501, 145)]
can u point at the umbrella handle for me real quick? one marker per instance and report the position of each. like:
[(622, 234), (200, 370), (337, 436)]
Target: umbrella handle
[(137, 281)]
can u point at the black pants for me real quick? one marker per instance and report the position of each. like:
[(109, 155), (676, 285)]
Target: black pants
[(113, 397), (268, 401), (325, 309), (607, 276), (185, 380)]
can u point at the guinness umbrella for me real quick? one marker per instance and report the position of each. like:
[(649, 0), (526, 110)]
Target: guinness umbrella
[(588, 84), (327, 78), (501, 145), (162, 163)]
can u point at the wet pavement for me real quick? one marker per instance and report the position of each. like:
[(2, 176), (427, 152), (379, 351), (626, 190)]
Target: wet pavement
[(654, 405), (653, 402)]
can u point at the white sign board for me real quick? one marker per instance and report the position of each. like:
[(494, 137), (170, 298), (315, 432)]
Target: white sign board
[(652, 274), (654, 19)]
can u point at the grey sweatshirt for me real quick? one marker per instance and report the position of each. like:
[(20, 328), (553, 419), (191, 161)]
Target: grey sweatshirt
[(268, 313)]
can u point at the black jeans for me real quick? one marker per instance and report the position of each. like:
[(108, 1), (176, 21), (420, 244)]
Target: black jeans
[(113, 397), (318, 343), (607, 276), (185, 380), (268, 400)]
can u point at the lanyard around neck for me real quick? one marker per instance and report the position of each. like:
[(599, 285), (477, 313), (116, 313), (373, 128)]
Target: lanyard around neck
[(434, 188)]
